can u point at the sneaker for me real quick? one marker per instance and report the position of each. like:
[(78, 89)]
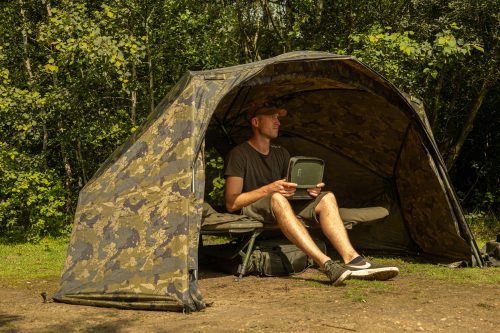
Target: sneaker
[(336, 273), (364, 270)]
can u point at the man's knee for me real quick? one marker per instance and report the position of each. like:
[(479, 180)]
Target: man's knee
[(279, 202), (327, 200)]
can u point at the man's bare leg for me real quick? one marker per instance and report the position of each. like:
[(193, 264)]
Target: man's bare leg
[(334, 230), (294, 230), (333, 227)]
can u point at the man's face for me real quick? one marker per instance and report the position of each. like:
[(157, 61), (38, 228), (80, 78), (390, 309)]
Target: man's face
[(268, 125)]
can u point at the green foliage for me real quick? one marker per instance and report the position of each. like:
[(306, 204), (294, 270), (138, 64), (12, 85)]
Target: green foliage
[(408, 62), (20, 125), (77, 77), (484, 226), (32, 200), (96, 39), (215, 179), (477, 171), (484, 200)]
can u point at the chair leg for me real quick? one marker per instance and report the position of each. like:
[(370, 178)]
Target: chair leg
[(244, 265)]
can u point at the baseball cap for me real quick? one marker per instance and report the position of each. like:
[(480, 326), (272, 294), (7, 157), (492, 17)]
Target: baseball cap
[(265, 108)]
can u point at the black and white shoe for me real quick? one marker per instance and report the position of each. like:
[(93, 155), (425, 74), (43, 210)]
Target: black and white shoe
[(365, 270), (336, 273)]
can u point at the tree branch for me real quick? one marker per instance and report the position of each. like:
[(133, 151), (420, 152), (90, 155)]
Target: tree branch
[(457, 144)]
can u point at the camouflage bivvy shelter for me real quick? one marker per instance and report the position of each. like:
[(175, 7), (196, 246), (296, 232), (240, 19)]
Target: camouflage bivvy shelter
[(135, 236)]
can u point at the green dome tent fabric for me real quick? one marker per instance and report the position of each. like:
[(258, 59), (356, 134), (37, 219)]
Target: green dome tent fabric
[(135, 235)]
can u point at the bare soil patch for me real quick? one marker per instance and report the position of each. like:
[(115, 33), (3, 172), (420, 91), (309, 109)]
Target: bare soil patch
[(303, 303)]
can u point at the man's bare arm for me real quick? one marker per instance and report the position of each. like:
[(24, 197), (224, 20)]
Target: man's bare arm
[(235, 199)]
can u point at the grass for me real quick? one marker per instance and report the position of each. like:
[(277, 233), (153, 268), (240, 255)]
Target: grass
[(360, 291), (484, 226), (215, 240), (475, 276), (21, 262)]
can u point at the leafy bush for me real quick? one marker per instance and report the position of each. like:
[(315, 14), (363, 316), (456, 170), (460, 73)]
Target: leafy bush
[(407, 61), (484, 226), (32, 200), (214, 191)]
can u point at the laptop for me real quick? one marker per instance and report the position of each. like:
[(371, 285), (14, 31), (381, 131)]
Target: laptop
[(306, 172)]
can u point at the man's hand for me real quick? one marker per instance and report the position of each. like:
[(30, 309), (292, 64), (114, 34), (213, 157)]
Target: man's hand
[(315, 191), (235, 199), (283, 187)]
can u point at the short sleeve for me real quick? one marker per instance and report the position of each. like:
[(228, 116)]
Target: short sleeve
[(235, 164)]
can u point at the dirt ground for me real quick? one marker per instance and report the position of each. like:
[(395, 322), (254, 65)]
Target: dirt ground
[(303, 303)]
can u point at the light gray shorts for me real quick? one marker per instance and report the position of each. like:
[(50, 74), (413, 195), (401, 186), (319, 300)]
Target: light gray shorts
[(304, 209)]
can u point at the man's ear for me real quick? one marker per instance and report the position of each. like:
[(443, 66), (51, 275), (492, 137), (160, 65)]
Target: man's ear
[(255, 122)]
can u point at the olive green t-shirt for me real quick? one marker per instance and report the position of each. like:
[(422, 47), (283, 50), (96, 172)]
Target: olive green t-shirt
[(255, 168)]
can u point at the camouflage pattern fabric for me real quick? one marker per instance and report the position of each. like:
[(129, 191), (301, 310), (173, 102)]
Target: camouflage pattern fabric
[(130, 242), (417, 171), (137, 223)]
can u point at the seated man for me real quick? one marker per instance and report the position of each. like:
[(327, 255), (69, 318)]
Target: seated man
[(255, 172)]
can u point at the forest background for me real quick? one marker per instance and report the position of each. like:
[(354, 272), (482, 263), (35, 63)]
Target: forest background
[(77, 77)]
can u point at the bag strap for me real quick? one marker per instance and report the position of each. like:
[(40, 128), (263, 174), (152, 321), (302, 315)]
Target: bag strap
[(286, 263)]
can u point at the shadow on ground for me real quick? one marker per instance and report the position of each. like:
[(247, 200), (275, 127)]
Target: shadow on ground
[(108, 327), (7, 321)]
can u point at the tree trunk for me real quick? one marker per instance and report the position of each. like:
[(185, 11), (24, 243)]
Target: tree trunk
[(349, 22), (436, 101), (31, 83), (133, 96), (151, 82), (248, 44), (290, 22), (150, 66), (79, 157), (64, 154), (255, 44), (457, 144), (49, 8), (24, 32), (67, 167), (45, 143), (241, 35), (265, 5), (68, 180)]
